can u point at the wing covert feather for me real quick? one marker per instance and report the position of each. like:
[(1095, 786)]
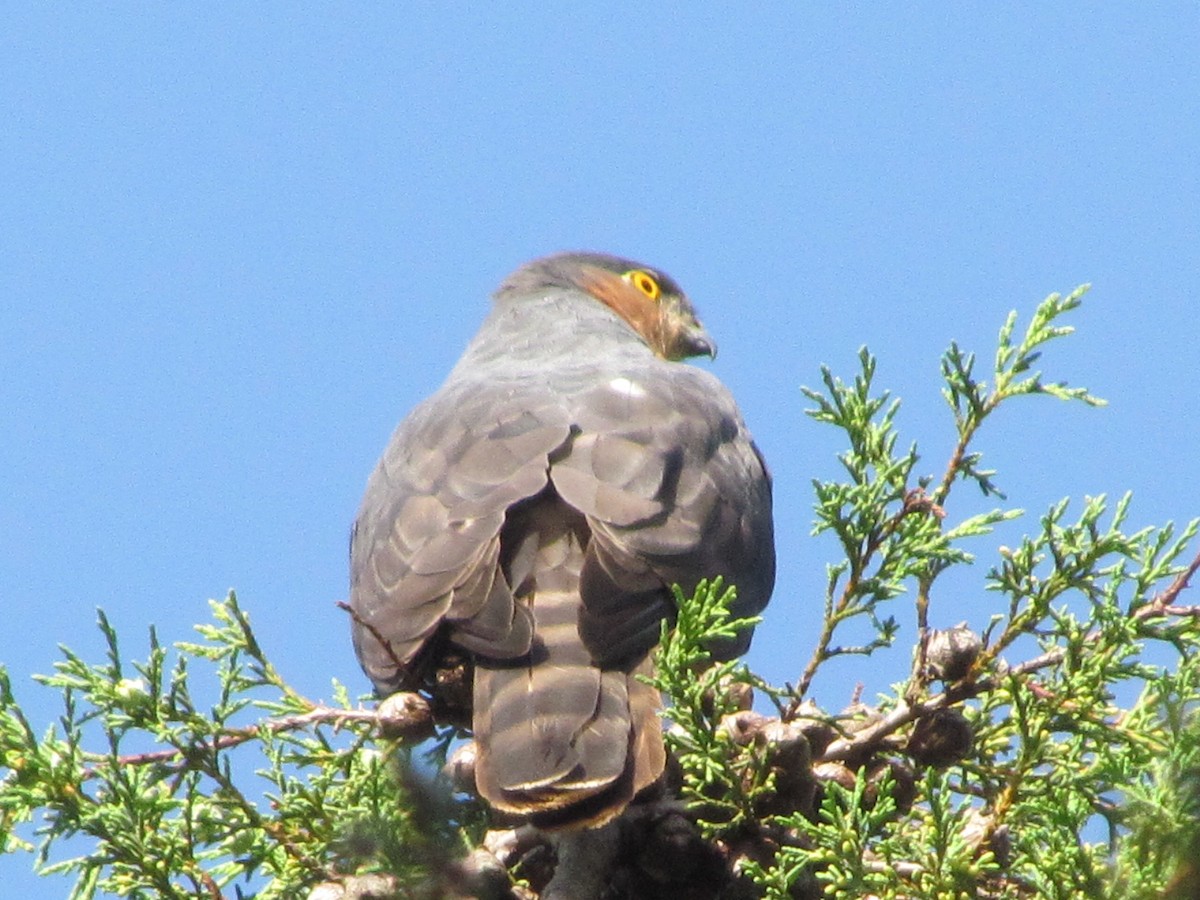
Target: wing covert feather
[(675, 491), (425, 546)]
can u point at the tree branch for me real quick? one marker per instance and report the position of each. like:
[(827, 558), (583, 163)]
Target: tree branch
[(1163, 603), (318, 715)]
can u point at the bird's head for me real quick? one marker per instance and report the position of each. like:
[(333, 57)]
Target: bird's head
[(649, 300)]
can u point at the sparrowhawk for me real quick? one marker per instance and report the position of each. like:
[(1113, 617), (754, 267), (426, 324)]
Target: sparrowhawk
[(535, 512)]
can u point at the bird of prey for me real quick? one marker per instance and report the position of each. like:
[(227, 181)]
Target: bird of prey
[(535, 512)]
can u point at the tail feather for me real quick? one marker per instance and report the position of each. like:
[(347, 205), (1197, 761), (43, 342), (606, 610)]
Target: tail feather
[(559, 738)]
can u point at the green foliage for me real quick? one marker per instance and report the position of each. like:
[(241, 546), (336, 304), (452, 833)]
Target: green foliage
[(1037, 752), (861, 846), (1090, 731), (160, 784), (1171, 794), (721, 784)]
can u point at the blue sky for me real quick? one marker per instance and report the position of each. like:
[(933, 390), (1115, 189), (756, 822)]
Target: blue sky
[(238, 244)]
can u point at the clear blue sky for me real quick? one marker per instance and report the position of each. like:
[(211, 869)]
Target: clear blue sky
[(238, 244)]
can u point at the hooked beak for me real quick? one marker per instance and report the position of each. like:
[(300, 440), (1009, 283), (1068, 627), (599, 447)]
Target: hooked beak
[(695, 341)]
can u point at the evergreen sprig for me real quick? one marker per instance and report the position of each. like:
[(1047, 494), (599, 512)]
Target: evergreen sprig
[(1061, 746), (160, 782), (721, 781)]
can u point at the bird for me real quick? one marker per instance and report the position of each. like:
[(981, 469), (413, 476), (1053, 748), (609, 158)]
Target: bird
[(534, 513)]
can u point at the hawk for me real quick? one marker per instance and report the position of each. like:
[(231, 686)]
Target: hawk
[(535, 512)]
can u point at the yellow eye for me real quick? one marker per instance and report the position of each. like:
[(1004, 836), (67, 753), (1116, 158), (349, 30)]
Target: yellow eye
[(644, 282)]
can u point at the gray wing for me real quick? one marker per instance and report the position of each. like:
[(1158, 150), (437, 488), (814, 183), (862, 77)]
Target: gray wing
[(675, 491), (426, 543)]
